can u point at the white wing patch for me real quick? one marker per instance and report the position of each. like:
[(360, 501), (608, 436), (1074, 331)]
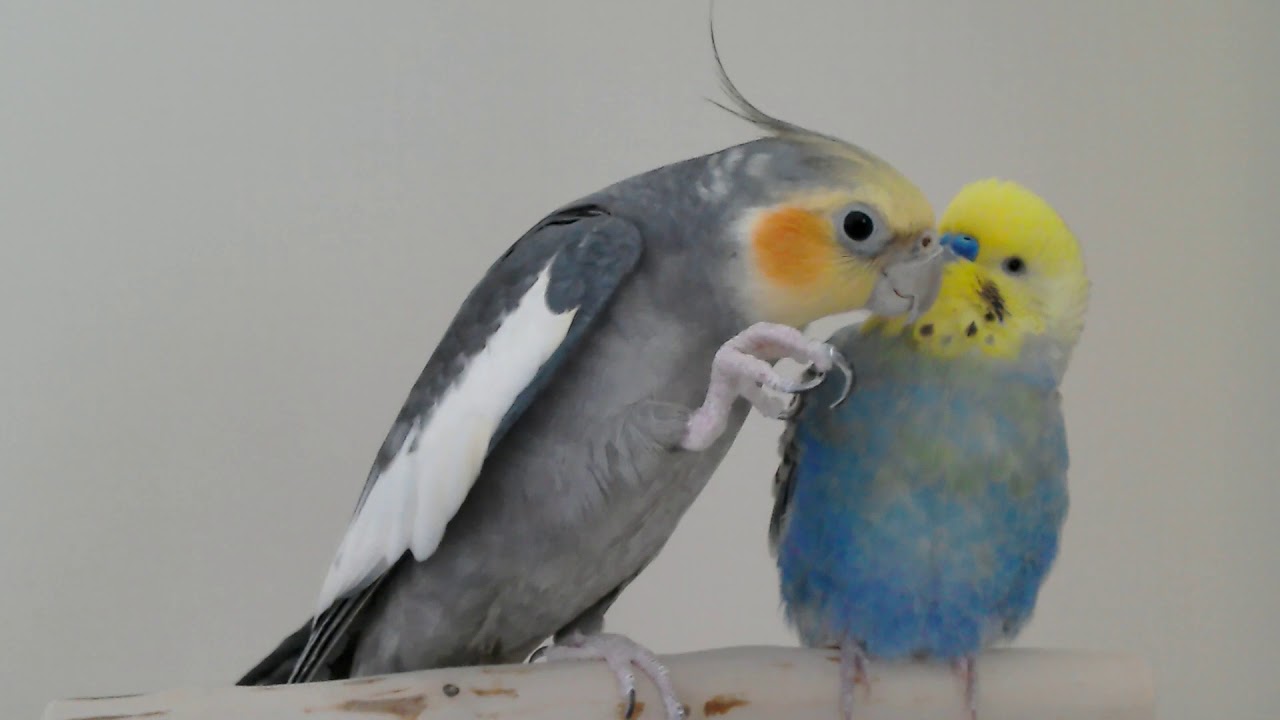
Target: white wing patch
[(426, 482)]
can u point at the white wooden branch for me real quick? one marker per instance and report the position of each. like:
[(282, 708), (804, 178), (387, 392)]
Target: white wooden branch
[(746, 683)]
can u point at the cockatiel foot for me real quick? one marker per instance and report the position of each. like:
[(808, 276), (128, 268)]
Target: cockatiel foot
[(621, 654), (743, 368)]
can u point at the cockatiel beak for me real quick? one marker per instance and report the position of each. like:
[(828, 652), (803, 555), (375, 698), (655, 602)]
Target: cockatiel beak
[(908, 283)]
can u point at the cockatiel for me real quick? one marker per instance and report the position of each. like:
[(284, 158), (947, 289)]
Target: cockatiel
[(587, 389)]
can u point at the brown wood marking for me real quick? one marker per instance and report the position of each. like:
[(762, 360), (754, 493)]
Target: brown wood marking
[(722, 704), (490, 692), (405, 708)]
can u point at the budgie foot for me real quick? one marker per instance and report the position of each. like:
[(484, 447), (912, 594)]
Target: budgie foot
[(967, 671), (853, 672), (621, 654), (743, 368)]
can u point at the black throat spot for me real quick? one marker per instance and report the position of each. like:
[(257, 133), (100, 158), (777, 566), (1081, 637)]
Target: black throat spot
[(990, 292)]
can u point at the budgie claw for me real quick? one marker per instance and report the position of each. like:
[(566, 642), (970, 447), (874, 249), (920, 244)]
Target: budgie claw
[(621, 654), (742, 367)]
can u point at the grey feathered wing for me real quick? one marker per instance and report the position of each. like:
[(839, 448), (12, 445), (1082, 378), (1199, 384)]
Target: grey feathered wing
[(507, 341)]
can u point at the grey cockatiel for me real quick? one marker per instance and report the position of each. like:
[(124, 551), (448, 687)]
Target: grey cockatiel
[(587, 389)]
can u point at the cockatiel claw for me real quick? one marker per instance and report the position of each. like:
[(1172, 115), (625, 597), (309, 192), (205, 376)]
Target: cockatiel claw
[(742, 368), (839, 362)]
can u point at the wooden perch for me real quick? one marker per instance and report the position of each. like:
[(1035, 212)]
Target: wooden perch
[(747, 683)]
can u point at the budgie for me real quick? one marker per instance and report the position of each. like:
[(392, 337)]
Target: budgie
[(919, 518)]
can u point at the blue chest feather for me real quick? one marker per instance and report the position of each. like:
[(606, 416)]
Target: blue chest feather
[(925, 511)]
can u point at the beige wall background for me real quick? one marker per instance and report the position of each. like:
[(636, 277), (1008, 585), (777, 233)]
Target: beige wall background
[(230, 235)]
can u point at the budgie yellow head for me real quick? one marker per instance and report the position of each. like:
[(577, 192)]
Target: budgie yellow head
[(1027, 278)]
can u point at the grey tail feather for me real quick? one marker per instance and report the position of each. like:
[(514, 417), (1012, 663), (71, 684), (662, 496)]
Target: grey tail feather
[(328, 631), (275, 667)]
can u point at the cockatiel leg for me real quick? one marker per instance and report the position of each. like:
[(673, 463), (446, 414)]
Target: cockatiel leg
[(621, 654), (742, 368)]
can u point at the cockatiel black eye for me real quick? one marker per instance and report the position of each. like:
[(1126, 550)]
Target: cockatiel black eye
[(858, 226)]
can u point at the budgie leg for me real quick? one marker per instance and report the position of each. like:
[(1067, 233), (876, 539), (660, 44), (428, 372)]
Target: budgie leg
[(853, 672), (621, 654), (967, 670), (743, 368)]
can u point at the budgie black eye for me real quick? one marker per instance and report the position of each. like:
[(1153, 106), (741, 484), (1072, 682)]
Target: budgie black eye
[(858, 226), (1014, 265)]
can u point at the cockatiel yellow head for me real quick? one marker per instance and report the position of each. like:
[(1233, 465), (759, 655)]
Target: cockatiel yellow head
[(823, 226), (820, 250), (1027, 279)]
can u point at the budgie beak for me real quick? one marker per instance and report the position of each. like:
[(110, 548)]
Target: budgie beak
[(966, 246)]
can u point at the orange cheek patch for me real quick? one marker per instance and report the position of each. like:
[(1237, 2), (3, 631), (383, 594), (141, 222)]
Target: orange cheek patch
[(793, 247)]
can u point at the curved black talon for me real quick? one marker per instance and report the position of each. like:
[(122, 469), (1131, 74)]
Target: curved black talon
[(838, 361), (542, 650), (812, 382), (631, 704)]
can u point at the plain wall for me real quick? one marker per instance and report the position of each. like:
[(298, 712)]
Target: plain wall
[(231, 235)]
